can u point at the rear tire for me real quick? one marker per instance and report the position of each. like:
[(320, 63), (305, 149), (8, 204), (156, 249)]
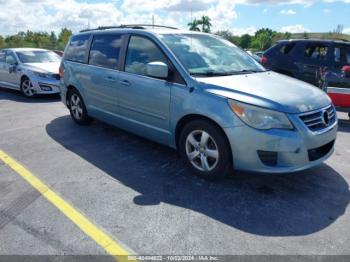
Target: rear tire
[(205, 149), (77, 108)]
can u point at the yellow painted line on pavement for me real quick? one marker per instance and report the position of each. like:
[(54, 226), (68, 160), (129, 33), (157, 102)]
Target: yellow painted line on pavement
[(101, 238)]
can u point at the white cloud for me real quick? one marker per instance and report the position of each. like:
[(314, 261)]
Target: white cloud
[(238, 31), (347, 31), (294, 29), (288, 12), (51, 15)]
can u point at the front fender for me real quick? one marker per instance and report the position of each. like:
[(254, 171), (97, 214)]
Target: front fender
[(201, 104)]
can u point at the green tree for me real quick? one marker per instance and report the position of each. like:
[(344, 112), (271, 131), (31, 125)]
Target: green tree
[(63, 38), (245, 41), (262, 41), (14, 41), (2, 42), (203, 24), (287, 35), (53, 40), (225, 34), (205, 21), (194, 25), (267, 31)]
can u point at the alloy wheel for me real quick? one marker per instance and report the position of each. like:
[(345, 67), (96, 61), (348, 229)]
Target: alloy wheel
[(27, 88), (76, 106), (202, 150)]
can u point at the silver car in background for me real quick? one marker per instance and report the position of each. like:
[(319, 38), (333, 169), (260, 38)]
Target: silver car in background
[(32, 71)]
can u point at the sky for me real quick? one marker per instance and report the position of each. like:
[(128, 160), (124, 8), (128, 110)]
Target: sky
[(238, 16)]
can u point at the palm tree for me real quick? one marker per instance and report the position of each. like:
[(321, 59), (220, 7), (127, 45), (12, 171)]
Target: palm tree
[(205, 21), (193, 26)]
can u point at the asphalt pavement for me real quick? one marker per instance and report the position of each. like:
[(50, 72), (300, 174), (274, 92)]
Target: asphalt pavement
[(141, 194)]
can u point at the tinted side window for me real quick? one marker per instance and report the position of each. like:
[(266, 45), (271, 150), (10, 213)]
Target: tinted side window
[(142, 51), (105, 51), (76, 51), (342, 54), (316, 51), (285, 49), (10, 58)]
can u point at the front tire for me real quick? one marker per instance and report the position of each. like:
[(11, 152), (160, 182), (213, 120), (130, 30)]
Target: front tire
[(77, 108), (205, 149), (27, 87)]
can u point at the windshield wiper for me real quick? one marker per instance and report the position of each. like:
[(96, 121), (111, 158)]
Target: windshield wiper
[(211, 74), (247, 71)]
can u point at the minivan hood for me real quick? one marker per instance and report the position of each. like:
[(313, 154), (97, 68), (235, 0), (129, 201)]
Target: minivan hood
[(43, 67), (268, 89)]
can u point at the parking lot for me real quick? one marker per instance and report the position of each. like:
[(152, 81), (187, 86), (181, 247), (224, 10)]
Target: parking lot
[(140, 194)]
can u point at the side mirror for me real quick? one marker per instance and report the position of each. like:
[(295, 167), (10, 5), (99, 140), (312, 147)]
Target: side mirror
[(346, 71), (13, 67), (157, 69)]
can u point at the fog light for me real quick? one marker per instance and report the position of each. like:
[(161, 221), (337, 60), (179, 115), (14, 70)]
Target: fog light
[(45, 87), (269, 158)]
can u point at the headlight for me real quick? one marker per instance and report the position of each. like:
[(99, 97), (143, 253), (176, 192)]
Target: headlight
[(260, 118), (43, 75)]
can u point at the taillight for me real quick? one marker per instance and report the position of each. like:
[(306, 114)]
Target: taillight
[(346, 71), (60, 72), (264, 60)]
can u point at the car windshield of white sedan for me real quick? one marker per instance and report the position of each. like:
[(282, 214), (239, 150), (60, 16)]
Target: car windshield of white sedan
[(27, 57), (205, 55)]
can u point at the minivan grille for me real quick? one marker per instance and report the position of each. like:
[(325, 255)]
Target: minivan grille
[(320, 119)]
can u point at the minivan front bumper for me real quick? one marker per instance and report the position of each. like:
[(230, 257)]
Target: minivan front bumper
[(280, 151)]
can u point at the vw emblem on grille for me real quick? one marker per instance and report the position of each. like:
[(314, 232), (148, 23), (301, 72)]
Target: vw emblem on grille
[(325, 118)]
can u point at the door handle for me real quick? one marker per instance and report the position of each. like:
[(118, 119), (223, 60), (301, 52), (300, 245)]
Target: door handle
[(110, 78), (124, 82)]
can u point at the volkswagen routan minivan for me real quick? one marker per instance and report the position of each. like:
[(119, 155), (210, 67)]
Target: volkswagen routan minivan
[(199, 94)]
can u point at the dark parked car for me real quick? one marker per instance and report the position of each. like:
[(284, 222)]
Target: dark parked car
[(259, 54), (305, 59)]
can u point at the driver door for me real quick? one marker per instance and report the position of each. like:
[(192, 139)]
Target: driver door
[(144, 101), (9, 71)]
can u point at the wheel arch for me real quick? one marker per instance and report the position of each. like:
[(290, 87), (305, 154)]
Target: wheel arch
[(191, 117), (24, 76), (70, 88)]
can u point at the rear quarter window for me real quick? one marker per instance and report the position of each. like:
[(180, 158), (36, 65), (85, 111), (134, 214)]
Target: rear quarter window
[(77, 48), (273, 50), (287, 48), (342, 54)]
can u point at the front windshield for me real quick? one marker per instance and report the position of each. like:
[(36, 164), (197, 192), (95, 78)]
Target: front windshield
[(38, 57), (209, 55)]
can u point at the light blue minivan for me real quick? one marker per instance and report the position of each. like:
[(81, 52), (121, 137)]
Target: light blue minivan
[(199, 94)]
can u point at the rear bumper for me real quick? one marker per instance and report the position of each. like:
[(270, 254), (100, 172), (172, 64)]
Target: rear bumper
[(295, 149), (63, 94)]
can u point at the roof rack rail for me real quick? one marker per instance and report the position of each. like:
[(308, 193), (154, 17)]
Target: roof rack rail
[(131, 26)]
